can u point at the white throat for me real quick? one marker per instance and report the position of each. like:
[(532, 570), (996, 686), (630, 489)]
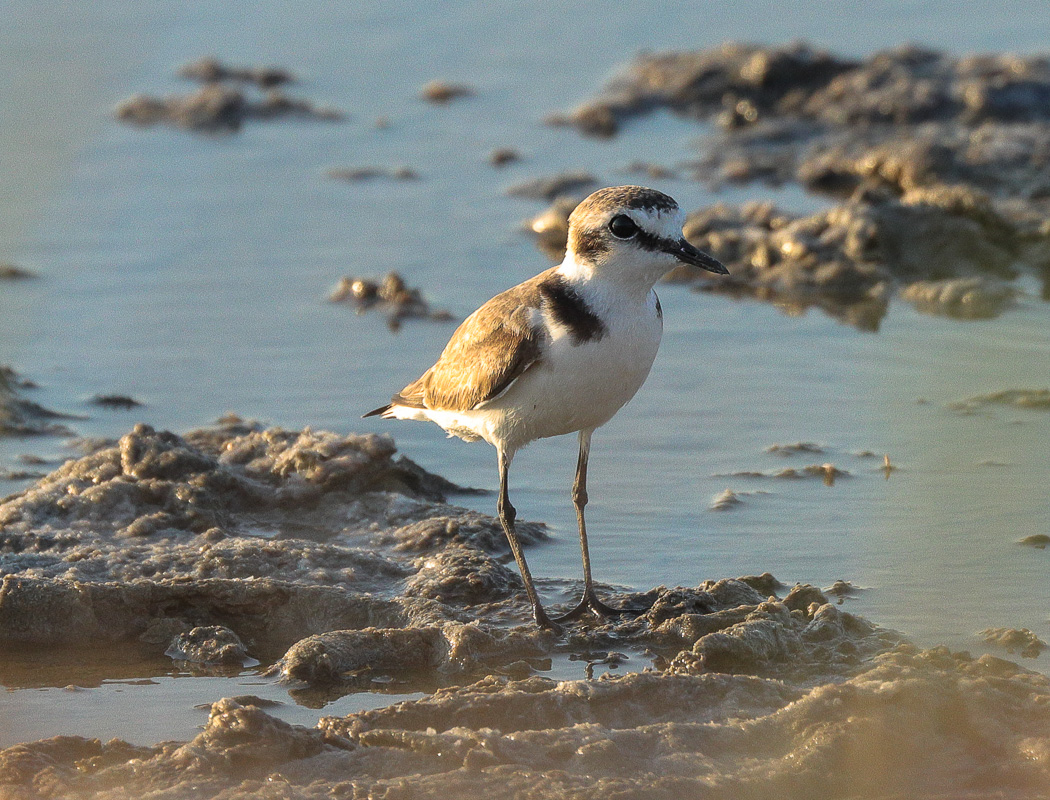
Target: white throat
[(625, 271)]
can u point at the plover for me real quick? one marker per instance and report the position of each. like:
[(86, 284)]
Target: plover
[(562, 352)]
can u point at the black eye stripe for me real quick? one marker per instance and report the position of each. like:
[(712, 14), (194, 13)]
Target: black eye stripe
[(652, 242)]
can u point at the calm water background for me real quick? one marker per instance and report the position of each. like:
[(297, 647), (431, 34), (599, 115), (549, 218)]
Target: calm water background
[(191, 273)]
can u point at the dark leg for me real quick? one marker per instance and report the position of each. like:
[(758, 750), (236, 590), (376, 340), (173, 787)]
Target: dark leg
[(507, 515), (590, 601)]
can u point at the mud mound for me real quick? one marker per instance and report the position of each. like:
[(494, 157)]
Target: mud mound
[(921, 724), (341, 567), (941, 166)]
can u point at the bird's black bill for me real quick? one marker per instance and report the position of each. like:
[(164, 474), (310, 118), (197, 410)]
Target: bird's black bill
[(688, 254)]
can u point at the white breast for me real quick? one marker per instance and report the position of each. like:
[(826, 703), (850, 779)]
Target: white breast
[(578, 386)]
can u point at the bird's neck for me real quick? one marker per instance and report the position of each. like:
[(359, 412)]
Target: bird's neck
[(629, 280)]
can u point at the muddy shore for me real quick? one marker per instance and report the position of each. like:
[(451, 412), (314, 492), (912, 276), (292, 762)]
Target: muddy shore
[(937, 166), (343, 567), (341, 564)]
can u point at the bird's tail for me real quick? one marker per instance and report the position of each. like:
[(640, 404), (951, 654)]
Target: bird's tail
[(375, 412)]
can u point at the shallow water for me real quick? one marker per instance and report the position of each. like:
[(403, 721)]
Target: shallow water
[(191, 273)]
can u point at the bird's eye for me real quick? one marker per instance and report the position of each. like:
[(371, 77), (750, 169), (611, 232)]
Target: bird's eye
[(622, 226)]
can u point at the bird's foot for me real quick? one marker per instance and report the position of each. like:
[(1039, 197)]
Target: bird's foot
[(591, 603), (545, 621)]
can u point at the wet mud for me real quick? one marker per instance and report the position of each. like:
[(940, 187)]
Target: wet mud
[(12, 272), (1040, 541), (503, 156), (939, 166), (962, 298), (442, 92), (361, 174), (1034, 399), (227, 98), (1015, 640), (566, 184), (342, 567), (391, 296), (209, 69), (948, 251), (20, 416), (121, 402)]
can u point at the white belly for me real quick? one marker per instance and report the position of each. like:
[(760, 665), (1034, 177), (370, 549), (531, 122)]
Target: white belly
[(574, 387)]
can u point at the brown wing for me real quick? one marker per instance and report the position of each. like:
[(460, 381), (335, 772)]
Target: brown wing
[(488, 352)]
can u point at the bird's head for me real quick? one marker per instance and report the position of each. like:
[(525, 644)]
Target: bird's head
[(631, 235)]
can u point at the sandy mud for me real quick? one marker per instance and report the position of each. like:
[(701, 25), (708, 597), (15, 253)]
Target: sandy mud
[(342, 566), (940, 166)]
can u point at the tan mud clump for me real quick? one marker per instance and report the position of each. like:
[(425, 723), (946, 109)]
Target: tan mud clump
[(796, 448), (212, 644), (1015, 640), (551, 228), (154, 482), (1005, 160), (1039, 541), (741, 82), (272, 534), (846, 259), (504, 156), (209, 69), (442, 92), (459, 575), (470, 528), (725, 500), (451, 648), (690, 629), (741, 85), (217, 106), (391, 295), (1037, 399), (217, 109)]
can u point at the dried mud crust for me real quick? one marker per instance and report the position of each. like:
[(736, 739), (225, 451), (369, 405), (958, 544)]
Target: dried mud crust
[(941, 166), (341, 565)]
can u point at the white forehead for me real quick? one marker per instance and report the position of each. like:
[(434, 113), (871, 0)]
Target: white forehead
[(664, 219), (665, 223)]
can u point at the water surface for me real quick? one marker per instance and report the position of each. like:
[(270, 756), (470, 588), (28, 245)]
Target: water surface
[(191, 273)]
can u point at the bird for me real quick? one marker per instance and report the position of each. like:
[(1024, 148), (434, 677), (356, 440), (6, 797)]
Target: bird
[(560, 353)]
